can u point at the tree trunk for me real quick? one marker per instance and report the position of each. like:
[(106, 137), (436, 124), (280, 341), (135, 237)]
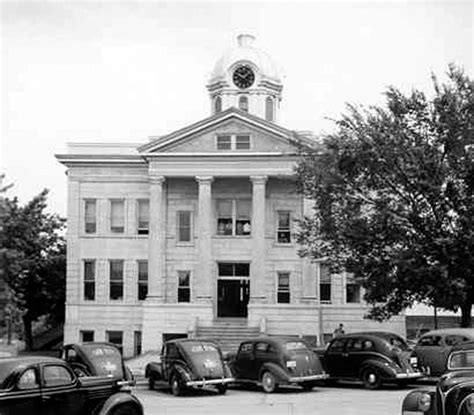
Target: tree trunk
[(28, 333), (466, 314)]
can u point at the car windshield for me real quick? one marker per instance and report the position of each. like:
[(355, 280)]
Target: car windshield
[(293, 346), (399, 343), (462, 359), (199, 347)]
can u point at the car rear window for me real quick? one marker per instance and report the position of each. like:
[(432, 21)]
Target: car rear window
[(295, 345), (199, 347), (101, 351)]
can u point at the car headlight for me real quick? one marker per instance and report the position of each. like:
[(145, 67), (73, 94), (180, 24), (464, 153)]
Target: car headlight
[(468, 405), (424, 402)]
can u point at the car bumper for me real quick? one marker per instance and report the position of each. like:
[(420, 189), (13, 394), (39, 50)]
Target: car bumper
[(410, 375), (207, 382), (299, 379)]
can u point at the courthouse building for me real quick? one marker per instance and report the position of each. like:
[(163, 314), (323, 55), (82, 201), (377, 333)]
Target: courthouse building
[(195, 229)]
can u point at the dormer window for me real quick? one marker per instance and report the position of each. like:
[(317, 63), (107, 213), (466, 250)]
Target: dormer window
[(233, 142), (244, 103)]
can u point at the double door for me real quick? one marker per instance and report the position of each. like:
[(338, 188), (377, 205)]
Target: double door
[(233, 297)]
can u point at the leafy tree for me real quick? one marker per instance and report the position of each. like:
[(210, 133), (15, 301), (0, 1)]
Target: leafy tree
[(33, 260), (393, 198)]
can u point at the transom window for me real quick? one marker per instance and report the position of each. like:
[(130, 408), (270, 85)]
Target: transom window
[(117, 216), (283, 227), (184, 286), (233, 142), (143, 216), (233, 269), (116, 279), (283, 293), (233, 217)]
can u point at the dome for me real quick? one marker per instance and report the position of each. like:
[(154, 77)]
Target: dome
[(245, 52)]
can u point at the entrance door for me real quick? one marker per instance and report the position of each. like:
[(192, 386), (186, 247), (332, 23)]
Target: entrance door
[(233, 289)]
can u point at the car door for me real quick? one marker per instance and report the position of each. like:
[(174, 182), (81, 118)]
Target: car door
[(24, 396), (264, 353), (429, 350), (245, 361), (169, 357), (60, 394), (335, 357), (356, 354)]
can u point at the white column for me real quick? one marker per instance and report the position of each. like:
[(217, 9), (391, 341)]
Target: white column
[(157, 240), (258, 292), (203, 286)]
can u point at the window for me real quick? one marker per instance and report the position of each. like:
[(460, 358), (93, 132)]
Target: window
[(55, 375), (115, 337), (143, 216), (324, 284), (233, 217), (184, 286), (217, 105), (117, 216), (231, 269), (430, 341), (137, 343), (224, 142), (184, 226), (244, 103), (242, 142), (90, 216), (116, 279), (269, 109), (89, 280), (142, 280), (87, 336), (352, 292), (28, 380), (283, 229), (283, 292)]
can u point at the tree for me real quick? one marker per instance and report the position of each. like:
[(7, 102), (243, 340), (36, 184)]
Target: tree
[(393, 198), (33, 260)]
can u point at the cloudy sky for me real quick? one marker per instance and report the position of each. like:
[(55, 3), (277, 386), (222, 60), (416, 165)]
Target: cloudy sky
[(121, 71)]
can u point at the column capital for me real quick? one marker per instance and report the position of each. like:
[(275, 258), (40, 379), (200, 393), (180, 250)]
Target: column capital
[(156, 179), (204, 179), (259, 179)]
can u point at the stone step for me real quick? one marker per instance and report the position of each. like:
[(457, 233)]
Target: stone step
[(228, 336)]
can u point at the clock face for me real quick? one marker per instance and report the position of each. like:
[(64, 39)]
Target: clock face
[(243, 76)]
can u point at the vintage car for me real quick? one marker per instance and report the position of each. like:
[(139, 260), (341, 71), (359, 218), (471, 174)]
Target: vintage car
[(371, 357), (432, 348), (454, 394), (274, 361), (189, 363), (49, 386), (96, 359)]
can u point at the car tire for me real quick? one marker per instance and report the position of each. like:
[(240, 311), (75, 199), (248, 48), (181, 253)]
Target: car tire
[(269, 383), (221, 389), (125, 409), (177, 388), (370, 377), (307, 386)]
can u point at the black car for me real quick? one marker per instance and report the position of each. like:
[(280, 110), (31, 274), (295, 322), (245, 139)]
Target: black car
[(49, 386), (274, 361), (454, 394), (189, 363), (96, 359), (372, 357)]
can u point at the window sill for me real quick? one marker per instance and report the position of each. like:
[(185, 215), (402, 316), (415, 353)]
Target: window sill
[(284, 245), (232, 236), (185, 244)]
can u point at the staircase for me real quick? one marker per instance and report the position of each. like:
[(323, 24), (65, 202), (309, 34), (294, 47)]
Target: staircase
[(227, 334)]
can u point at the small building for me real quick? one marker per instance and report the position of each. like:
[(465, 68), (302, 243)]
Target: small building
[(193, 233)]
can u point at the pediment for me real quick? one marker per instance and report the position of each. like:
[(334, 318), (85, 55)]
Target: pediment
[(201, 137)]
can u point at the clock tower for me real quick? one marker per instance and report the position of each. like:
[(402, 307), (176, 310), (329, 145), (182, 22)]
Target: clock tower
[(246, 78)]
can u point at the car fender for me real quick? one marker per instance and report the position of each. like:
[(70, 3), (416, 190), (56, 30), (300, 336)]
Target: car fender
[(118, 399), (183, 372), (153, 369), (275, 369), (410, 402), (385, 369)]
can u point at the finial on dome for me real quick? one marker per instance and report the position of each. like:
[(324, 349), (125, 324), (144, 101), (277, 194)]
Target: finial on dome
[(245, 40)]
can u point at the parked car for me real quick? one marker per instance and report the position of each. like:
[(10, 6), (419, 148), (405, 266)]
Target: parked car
[(49, 386), (432, 348), (454, 394), (96, 359), (189, 363), (274, 361), (371, 357)]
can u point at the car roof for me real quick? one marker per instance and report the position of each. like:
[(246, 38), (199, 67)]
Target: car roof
[(184, 341), (273, 339), (450, 331), (28, 360), (370, 334)]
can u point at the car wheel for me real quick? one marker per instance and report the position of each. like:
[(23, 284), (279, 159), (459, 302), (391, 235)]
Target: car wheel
[(307, 386), (221, 389), (269, 383), (125, 409), (176, 386), (370, 378)]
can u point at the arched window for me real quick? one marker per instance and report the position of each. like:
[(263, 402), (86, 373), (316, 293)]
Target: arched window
[(244, 103), (269, 110), (217, 105)]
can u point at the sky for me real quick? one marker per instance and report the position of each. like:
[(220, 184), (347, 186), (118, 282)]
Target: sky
[(92, 71)]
